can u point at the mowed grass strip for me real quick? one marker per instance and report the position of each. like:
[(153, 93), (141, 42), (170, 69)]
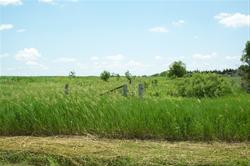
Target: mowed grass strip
[(90, 150)]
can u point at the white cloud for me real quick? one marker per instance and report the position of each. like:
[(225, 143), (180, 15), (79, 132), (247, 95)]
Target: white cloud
[(233, 20), (117, 57), (117, 66), (47, 1), (178, 23), (199, 56), (94, 58), (135, 65), (65, 60), (21, 30), (232, 57), (10, 2), (55, 2), (158, 57), (5, 26), (30, 57), (158, 29), (31, 63), (28, 54)]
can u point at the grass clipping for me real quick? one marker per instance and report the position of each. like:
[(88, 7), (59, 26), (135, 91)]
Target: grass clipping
[(79, 150)]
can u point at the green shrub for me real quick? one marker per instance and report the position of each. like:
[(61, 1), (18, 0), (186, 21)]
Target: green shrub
[(105, 75), (204, 85)]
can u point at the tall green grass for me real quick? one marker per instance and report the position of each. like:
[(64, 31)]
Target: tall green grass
[(38, 106)]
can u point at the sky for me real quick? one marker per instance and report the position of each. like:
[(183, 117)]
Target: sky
[(54, 37)]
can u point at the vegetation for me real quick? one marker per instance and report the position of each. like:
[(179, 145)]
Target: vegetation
[(177, 69), (245, 68), (204, 85), (177, 106), (246, 54), (38, 106), (72, 74), (224, 72), (105, 75), (198, 106), (88, 151), (129, 77)]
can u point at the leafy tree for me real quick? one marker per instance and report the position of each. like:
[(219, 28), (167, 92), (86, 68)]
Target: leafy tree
[(72, 74), (177, 69), (245, 68), (129, 76), (105, 75), (246, 54)]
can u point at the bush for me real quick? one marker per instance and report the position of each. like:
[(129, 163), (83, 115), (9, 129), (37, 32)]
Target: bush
[(177, 69), (105, 75), (244, 72), (204, 85)]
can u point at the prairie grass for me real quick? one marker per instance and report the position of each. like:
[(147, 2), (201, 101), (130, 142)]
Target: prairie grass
[(38, 106)]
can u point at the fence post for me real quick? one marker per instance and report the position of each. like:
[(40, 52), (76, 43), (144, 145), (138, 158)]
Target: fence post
[(140, 90), (125, 90), (66, 89)]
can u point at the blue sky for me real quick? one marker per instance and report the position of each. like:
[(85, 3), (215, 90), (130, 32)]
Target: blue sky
[(53, 37)]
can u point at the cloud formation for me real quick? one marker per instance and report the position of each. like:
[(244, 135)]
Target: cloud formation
[(158, 29), (55, 2), (117, 57), (94, 58), (199, 56), (234, 20), (28, 55), (6, 26), (10, 2), (178, 23), (232, 57)]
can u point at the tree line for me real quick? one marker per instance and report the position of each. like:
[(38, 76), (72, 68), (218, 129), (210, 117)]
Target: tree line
[(178, 69)]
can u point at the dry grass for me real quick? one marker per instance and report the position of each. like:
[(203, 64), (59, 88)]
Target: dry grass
[(96, 151)]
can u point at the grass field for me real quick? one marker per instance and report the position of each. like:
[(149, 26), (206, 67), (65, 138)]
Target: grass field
[(38, 106), (79, 150)]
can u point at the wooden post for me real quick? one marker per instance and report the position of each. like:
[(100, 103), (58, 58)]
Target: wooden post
[(125, 90), (140, 90), (66, 89)]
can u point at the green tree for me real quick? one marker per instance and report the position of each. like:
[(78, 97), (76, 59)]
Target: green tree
[(246, 54), (245, 68), (129, 76), (105, 75), (177, 69), (72, 74)]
